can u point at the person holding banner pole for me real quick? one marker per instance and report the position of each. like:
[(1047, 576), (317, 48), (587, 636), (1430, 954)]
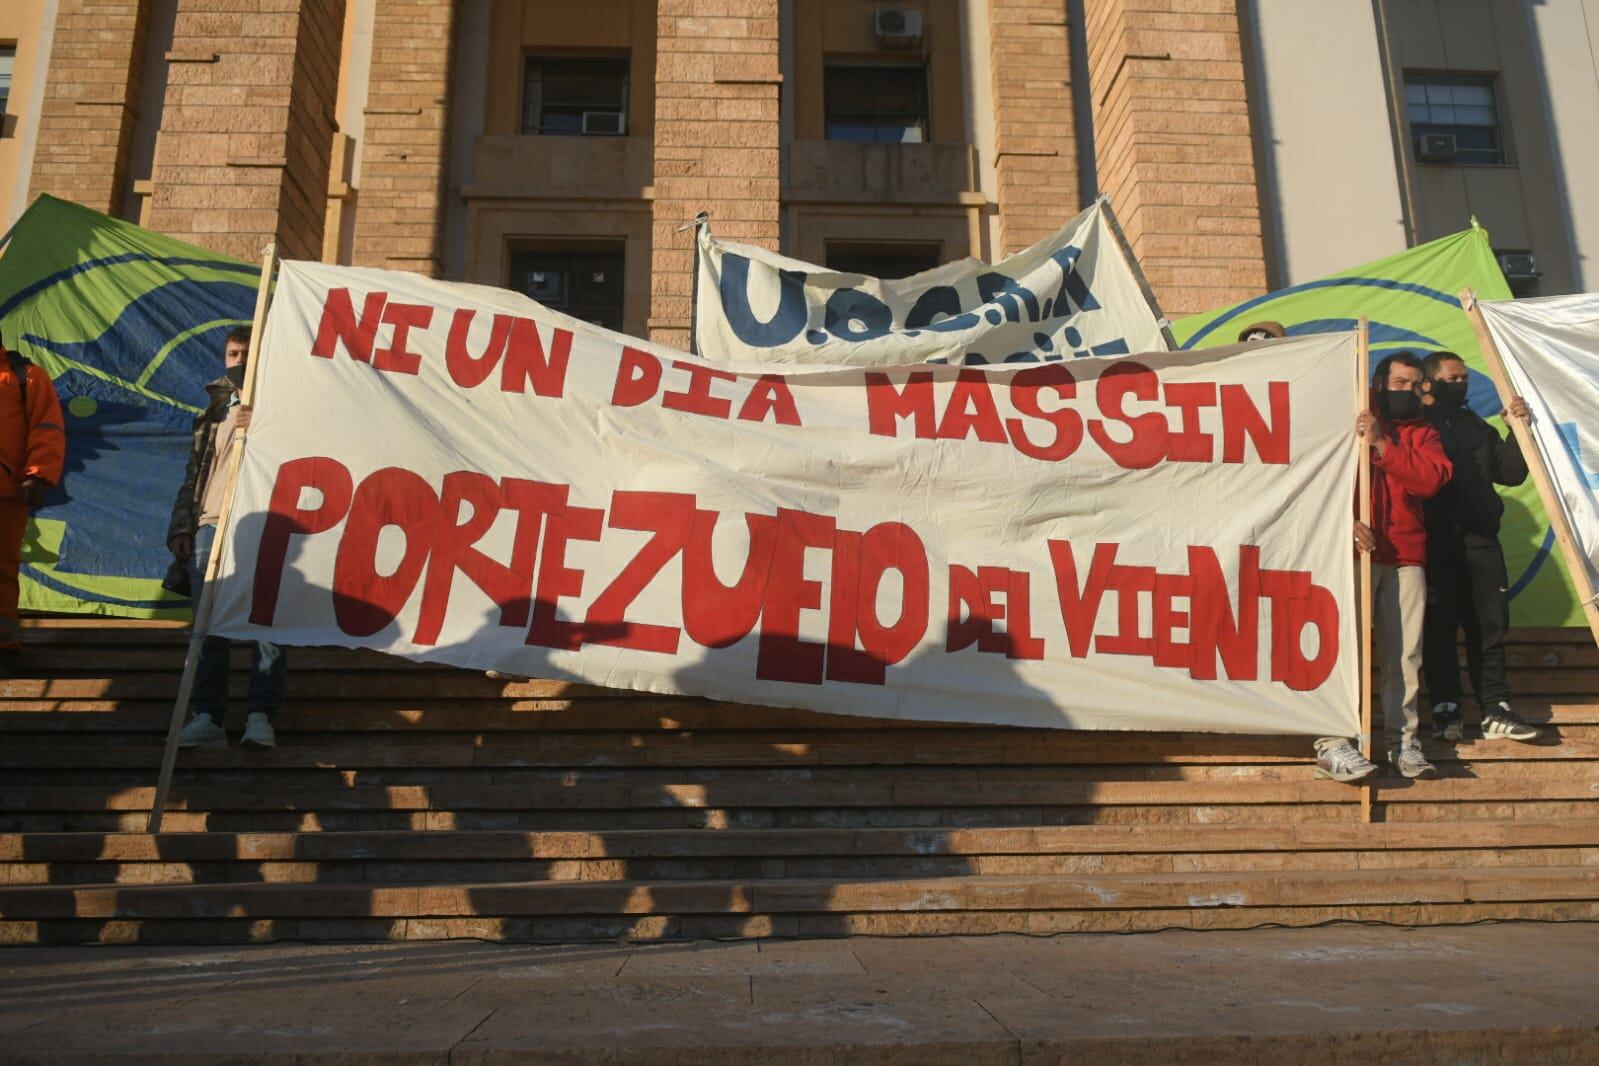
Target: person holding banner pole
[(33, 450), (1467, 582), (1408, 467), (191, 536), (1261, 331)]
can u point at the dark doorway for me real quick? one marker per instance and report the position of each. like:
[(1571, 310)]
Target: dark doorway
[(585, 283), (884, 260)]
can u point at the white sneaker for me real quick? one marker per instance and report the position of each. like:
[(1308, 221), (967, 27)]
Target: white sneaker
[(1339, 760), (202, 732), (1499, 722), (1410, 762), (258, 732)]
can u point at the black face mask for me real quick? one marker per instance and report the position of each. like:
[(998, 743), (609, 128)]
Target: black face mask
[(1449, 395), (235, 376), (1399, 406)]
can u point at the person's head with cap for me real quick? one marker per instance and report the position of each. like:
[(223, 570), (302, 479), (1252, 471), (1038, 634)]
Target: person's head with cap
[(1262, 331)]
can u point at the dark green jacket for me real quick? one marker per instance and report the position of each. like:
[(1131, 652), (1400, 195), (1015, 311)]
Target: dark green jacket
[(202, 458)]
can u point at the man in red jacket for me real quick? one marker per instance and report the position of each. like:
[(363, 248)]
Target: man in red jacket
[(33, 450), (1408, 466)]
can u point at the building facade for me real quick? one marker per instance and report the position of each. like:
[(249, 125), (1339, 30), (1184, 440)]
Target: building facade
[(560, 149)]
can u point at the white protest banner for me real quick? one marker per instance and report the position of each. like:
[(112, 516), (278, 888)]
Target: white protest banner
[(1550, 348), (453, 473), (1076, 293)]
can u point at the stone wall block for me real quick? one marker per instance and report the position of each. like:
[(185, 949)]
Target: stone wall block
[(1174, 146)]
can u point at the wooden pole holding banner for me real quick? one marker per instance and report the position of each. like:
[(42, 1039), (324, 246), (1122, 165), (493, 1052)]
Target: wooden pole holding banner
[(202, 609), (700, 224), (1363, 403), (1576, 564)]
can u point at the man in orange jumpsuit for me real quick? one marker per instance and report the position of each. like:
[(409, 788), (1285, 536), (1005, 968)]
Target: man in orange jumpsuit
[(33, 448)]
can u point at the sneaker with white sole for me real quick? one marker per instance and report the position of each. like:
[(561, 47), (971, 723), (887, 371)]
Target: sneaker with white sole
[(1499, 722), (1410, 762), (1447, 723), (202, 732), (1339, 760), (258, 731)]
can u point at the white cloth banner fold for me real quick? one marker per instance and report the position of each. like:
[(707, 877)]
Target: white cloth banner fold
[(457, 474), (1551, 350), (1076, 293)]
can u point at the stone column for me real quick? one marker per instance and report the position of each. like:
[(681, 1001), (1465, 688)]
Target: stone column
[(243, 153), (717, 138), (1172, 141), (1035, 141), (91, 97), (399, 222)]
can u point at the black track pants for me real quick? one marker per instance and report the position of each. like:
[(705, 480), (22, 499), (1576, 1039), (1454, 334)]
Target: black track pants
[(1467, 590)]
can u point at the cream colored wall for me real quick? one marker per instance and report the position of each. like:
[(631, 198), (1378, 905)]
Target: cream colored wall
[(136, 188), (355, 75), (979, 92), (27, 24), (1521, 203), (468, 102), (1567, 38), (349, 119), (1330, 185)]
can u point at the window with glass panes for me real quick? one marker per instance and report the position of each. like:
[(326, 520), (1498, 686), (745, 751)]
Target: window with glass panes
[(585, 283), (886, 105), (1462, 106), (575, 95), (8, 60)]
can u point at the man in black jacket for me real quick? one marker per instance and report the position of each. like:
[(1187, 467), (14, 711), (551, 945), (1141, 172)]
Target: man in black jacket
[(1467, 584)]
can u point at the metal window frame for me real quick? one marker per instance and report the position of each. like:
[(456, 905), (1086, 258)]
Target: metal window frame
[(539, 127)]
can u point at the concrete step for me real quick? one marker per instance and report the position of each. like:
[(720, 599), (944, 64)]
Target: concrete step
[(44, 710), (722, 868), (95, 680), (411, 857), (1486, 783), (696, 818), (1074, 839), (730, 748), (741, 926), (408, 801), (800, 907), (311, 771)]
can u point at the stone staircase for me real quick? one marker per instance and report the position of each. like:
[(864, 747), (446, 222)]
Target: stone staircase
[(414, 802)]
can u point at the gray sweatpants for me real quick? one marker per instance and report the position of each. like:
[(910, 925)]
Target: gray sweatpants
[(1399, 607)]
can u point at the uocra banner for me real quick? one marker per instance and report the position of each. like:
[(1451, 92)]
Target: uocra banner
[(1077, 293), (454, 473), (1551, 351)]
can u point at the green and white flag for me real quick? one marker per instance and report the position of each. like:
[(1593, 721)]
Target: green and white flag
[(129, 324), (1412, 302)]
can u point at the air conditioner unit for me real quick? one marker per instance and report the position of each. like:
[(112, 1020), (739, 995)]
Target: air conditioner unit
[(1519, 266), (897, 25), (1435, 148), (613, 123)]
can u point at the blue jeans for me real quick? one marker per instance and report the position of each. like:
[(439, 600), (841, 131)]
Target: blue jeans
[(269, 663)]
